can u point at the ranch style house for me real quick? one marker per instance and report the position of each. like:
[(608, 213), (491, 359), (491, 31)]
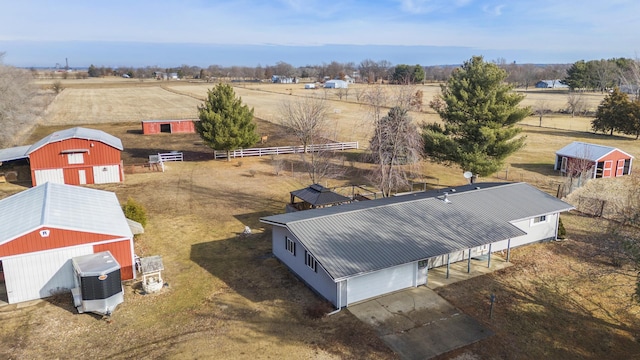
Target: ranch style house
[(357, 251)]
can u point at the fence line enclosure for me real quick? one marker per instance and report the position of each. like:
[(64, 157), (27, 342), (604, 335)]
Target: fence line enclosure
[(278, 150)]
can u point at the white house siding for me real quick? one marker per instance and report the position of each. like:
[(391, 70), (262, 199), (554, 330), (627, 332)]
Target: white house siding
[(380, 282), (42, 274), (319, 281), (441, 260)]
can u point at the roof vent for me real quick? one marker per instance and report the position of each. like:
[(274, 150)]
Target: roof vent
[(445, 198), (453, 190), (477, 187)]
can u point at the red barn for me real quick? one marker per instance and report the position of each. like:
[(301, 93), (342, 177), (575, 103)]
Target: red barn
[(168, 126), (44, 227), (76, 156), (598, 160)]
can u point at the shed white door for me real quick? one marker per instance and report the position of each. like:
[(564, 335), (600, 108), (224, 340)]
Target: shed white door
[(380, 282), (106, 174), (50, 175), (39, 275)]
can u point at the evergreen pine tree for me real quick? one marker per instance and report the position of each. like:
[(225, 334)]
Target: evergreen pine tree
[(225, 123), (479, 111)]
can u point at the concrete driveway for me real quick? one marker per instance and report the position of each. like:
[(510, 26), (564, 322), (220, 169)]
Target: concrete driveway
[(418, 324)]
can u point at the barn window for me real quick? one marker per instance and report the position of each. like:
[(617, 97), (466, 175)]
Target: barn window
[(310, 261), (290, 246), (75, 158)]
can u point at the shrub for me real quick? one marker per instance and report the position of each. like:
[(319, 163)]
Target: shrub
[(562, 232), (135, 211)]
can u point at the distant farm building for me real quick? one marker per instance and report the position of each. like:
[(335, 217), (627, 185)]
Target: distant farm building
[(551, 84), (168, 126), (309, 86), (597, 161), (336, 84), (44, 227), (277, 79), (75, 156)]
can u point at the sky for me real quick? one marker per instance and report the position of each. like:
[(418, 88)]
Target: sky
[(168, 33)]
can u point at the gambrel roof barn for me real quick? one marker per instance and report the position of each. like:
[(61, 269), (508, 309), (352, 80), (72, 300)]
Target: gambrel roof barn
[(74, 156)]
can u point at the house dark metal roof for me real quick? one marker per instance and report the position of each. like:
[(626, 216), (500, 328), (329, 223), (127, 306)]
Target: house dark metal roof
[(371, 235), (586, 151), (318, 195)]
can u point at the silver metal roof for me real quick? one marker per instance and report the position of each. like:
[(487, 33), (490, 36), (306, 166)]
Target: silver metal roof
[(62, 206), (587, 151), (371, 235), (78, 133), (14, 153)]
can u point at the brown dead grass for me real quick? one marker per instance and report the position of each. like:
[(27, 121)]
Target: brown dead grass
[(228, 298)]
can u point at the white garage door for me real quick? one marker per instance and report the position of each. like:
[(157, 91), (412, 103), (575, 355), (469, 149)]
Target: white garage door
[(380, 282), (50, 175), (106, 174), (35, 276)]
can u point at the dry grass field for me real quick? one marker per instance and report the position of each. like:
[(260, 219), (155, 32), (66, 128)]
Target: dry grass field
[(228, 298)]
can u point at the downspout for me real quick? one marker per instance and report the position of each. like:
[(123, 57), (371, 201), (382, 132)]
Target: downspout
[(339, 300)]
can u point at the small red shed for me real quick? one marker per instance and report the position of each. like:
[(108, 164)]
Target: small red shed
[(44, 227), (168, 126), (76, 156), (598, 160)]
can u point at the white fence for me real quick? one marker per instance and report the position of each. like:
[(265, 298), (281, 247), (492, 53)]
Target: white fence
[(218, 154), (172, 156), (156, 162)]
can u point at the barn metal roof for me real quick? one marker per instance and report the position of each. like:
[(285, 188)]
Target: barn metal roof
[(78, 133), (14, 153), (319, 195), (64, 207), (371, 235), (587, 151)]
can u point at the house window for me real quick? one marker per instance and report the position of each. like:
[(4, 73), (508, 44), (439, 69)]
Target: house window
[(310, 261), (75, 158), (290, 246), (539, 219)]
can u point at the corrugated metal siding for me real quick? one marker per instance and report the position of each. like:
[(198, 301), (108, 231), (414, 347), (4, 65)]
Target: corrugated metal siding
[(50, 156), (105, 174), (177, 126), (58, 238), (39, 177), (121, 251), (39, 275)]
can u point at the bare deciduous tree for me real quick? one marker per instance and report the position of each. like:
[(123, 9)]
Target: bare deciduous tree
[(305, 118), (19, 103), (540, 108), (395, 148), (321, 165), (575, 103)]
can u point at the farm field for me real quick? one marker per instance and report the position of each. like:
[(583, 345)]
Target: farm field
[(228, 298)]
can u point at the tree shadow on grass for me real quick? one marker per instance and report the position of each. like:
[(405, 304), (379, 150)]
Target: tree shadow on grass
[(245, 263)]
